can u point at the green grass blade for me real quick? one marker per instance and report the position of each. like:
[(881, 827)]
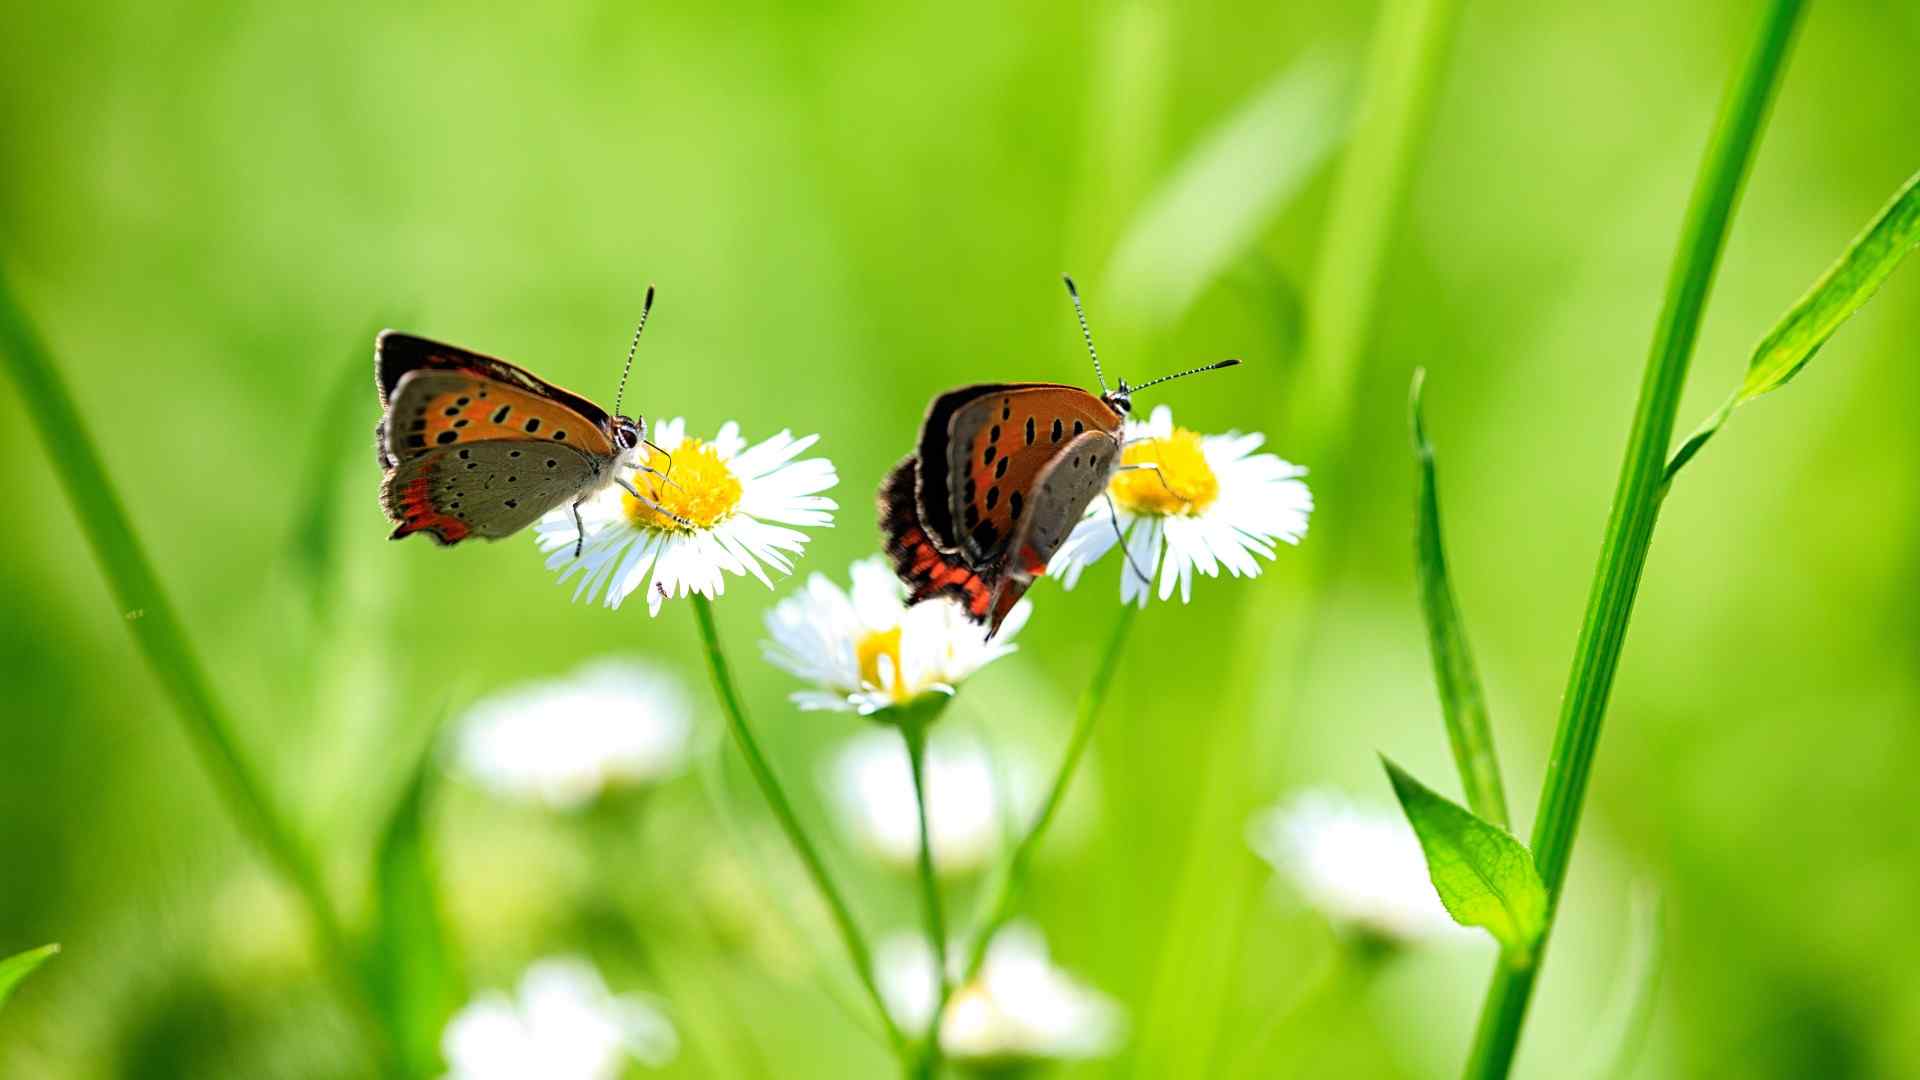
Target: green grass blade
[(1228, 190), (1461, 699), (149, 616), (1845, 287), (20, 965), (1484, 876), (1636, 509), (411, 965), (314, 547)]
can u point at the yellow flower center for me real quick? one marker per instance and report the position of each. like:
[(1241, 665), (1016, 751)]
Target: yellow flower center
[(878, 647), (1178, 481), (700, 490)]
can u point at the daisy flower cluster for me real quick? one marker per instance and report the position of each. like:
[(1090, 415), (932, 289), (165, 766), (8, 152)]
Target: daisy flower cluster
[(866, 649), (704, 509), (1362, 868), (1185, 502), (971, 804), (1019, 1011), (561, 1022), (612, 725)]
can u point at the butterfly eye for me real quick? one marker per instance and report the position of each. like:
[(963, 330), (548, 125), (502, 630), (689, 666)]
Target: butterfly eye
[(626, 434)]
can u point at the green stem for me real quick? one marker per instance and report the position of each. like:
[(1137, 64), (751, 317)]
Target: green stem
[(913, 730), (1636, 508), (1013, 877), (161, 637), (776, 796), (1406, 61)]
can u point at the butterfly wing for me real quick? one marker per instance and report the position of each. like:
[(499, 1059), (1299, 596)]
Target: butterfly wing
[(432, 409), (489, 488), (395, 354), (999, 441), (927, 571)]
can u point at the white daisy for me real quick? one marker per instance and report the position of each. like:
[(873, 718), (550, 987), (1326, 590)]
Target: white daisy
[(563, 1024), (1207, 501), (1019, 1010), (867, 650), (1362, 868), (968, 801), (565, 742), (725, 506)]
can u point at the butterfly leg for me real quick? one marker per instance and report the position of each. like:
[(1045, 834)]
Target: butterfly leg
[(1155, 469), (579, 529), (1120, 536), (650, 504), (667, 476)]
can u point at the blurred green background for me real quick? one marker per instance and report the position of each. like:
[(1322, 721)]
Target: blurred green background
[(210, 207)]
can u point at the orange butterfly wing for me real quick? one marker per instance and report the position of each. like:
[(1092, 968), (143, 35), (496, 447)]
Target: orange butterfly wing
[(999, 443), (432, 409)]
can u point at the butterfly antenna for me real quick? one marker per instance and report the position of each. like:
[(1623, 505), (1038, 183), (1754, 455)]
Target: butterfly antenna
[(1084, 332), (1189, 371), (646, 308)]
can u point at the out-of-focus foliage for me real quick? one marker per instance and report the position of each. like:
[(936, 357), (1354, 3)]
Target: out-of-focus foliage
[(205, 207)]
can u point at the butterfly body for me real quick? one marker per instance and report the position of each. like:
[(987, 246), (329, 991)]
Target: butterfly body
[(474, 446), (1000, 476)]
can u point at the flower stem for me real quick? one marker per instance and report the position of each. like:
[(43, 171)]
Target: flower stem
[(162, 638), (776, 796), (913, 730), (1013, 878), (1636, 508)]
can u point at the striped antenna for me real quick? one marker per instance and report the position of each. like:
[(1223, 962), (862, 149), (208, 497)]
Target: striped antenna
[(1184, 374), (646, 308), (1084, 332)]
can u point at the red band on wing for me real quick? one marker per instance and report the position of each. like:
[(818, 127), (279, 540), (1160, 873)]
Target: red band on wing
[(927, 571), (414, 509)]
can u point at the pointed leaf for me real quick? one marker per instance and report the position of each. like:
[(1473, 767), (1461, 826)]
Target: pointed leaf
[(20, 965), (1848, 283), (412, 969), (1465, 706), (1484, 876)]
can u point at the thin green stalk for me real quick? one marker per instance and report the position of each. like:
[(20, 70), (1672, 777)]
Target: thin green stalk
[(1406, 61), (1636, 508), (776, 796), (161, 637), (913, 724), (1014, 876)]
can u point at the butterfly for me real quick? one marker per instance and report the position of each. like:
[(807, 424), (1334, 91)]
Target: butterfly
[(475, 446), (999, 478)]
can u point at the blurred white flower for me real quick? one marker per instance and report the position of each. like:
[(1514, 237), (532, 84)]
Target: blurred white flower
[(866, 650), (1208, 501), (562, 1024), (1021, 1009), (725, 507), (968, 801), (565, 742), (1361, 868)]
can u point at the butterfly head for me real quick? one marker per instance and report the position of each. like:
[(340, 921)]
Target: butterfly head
[(1119, 399), (628, 433)]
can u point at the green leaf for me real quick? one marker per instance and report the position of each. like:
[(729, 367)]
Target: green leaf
[(1483, 875), (1847, 285), (411, 968), (1227, 191), (20, 965), (1465, 706)]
